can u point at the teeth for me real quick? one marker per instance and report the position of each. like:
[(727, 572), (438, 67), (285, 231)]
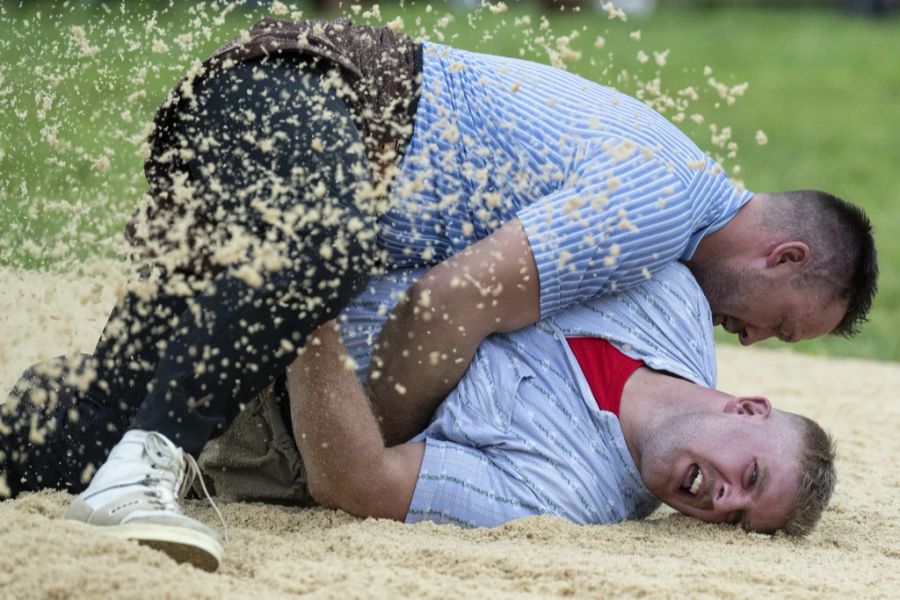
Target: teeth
[(695, 486)]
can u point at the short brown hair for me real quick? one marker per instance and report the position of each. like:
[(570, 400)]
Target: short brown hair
[(817, 477), (844, 256)]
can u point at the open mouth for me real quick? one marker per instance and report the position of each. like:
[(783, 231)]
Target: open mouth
[(727, 322), (693, 480), (731, 325)]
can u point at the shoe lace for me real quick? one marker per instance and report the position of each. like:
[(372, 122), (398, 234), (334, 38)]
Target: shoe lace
[(175, 470)]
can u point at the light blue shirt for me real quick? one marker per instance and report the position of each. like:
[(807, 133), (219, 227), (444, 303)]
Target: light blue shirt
[(522, 434), (608, 190)]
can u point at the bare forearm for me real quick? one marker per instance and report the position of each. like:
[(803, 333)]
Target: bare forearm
[(347, 464), (430, 338), (333, 423), (420, 356)]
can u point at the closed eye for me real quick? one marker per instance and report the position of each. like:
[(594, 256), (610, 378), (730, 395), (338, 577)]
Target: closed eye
[(754, 475)]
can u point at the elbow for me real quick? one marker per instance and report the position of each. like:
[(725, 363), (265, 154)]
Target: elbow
[(333, 492), (352, 494), (323, 492), (381, 490)]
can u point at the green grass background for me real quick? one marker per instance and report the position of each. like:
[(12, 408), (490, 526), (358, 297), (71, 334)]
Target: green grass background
[(823, 86)]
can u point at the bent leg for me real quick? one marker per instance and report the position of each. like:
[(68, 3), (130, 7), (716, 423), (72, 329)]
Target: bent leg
[(275, 155), (236, 340), (65, 414), (53, 429), (189, 363)]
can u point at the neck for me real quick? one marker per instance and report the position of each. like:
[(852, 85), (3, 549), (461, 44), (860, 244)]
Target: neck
[(738, 237), (649, 398)]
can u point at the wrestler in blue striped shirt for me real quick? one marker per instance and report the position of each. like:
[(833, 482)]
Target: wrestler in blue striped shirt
[(607, 189), (560, 191)]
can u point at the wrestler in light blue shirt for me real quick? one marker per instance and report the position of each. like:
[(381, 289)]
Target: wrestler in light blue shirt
[(522, 434), (609, 192)]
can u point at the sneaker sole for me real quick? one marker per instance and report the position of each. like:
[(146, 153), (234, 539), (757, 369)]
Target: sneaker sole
[(181, 544)]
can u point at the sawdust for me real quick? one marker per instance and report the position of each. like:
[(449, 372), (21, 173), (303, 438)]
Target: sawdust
[(277, 551)]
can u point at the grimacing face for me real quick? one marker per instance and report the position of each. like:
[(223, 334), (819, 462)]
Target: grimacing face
[(736, 466), (756, 307)]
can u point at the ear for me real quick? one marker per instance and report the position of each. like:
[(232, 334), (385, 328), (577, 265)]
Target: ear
[(791, 255), (749, 406)]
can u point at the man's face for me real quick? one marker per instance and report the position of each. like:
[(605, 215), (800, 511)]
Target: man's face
[(736, 466), (757, 306)]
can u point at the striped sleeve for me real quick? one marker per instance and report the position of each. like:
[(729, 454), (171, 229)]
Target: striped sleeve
[(716, 199), (624, 216)]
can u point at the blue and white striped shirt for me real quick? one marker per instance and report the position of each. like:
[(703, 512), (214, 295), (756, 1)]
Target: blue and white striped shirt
[(609, 191), (522, 434)]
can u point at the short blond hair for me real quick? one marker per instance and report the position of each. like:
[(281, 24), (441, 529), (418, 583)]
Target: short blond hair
[(817, 476)]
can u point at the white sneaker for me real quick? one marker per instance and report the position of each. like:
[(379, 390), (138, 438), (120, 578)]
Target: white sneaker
[(135, 495)]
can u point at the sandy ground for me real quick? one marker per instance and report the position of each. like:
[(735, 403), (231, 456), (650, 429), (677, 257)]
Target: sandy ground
[(278, 552)]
